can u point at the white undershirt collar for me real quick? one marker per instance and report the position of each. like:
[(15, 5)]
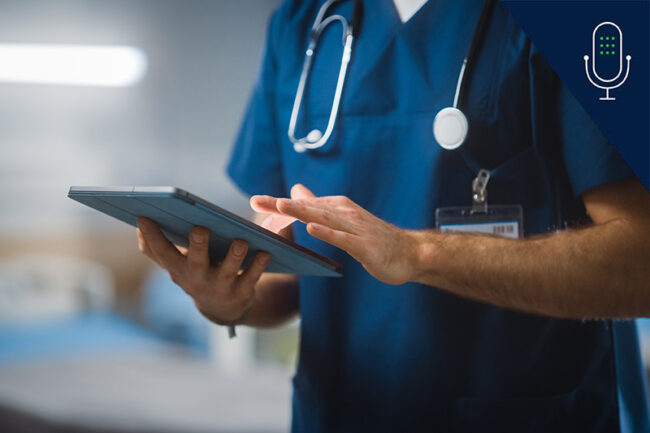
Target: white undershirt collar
[(407, 8)]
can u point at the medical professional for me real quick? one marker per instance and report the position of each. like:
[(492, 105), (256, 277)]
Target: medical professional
[(432, 330)]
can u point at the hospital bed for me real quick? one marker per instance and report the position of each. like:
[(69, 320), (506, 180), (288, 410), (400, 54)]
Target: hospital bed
[(85, 368)]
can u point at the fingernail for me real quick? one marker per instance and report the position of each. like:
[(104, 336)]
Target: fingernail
[(263, 259), (238, 249), (197, 238), (143, 226)]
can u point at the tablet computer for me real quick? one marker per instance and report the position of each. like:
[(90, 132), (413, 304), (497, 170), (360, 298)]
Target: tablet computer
[(177, 212)]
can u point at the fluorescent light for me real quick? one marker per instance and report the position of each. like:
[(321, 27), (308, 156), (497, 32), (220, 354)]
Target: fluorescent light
[(73, 65)]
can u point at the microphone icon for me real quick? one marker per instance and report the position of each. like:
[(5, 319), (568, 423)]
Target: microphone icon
[(607, 47)]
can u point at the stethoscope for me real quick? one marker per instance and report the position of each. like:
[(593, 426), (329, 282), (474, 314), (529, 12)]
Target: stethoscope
[(315, 138), (450, 125)]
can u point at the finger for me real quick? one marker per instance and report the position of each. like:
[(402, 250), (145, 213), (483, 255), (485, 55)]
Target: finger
[(164, 251), (338, 201), (267, 203), (198, 258), (276, 223), (326, 215), (299, 191), (346, 241), (263, 203), (144, 247), (251, 276), (230, 266)]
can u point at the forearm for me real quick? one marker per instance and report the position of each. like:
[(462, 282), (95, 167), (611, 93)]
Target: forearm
[(599, 271), (275, 302)]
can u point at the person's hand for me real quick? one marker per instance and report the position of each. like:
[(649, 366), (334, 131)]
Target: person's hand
[(385, 251), (276, 222), (222, 293)]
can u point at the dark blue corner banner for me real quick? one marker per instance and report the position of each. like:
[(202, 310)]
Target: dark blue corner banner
[(613, 39)]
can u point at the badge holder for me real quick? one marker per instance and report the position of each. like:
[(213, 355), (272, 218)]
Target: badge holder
[(500, 220)]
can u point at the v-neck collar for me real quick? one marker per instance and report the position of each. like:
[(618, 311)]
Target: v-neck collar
[(406, 9)]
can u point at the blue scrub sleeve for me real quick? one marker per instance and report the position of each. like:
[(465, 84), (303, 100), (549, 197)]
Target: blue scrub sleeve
[(255, 164), (589, 158)]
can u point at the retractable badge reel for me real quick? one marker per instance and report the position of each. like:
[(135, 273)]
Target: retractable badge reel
[(499, 220)]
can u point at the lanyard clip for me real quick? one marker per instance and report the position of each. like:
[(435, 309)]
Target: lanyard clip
[(479, 191)]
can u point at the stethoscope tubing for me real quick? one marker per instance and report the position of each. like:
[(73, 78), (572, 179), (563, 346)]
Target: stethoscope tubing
[(315, 139), (450, 126)]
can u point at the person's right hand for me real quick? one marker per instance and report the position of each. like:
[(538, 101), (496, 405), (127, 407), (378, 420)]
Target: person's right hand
[(221, 293)]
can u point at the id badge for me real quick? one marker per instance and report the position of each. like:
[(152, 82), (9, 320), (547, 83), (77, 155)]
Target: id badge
[(499, 220)]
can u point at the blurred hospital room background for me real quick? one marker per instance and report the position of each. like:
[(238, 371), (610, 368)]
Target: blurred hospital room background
[(92, 336)]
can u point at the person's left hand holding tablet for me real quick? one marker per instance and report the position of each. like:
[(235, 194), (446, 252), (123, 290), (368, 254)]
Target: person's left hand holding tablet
[(221, 293)]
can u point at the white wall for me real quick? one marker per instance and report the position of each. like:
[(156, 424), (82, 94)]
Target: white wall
[(173, 128)]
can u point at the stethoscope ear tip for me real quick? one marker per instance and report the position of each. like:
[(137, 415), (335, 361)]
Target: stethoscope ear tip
[(309, 142), (314, 135)]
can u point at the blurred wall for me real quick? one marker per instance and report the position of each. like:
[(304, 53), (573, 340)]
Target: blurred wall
[(175, 127)]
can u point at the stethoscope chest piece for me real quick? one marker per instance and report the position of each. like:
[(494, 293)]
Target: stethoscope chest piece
[(450, 128)]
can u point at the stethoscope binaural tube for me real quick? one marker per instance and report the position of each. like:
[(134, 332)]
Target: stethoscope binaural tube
[(315, 138)]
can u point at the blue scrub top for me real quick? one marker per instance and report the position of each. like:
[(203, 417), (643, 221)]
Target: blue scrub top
[(375, 357)]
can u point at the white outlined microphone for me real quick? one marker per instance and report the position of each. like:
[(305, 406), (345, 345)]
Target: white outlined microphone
[(615, 39)]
